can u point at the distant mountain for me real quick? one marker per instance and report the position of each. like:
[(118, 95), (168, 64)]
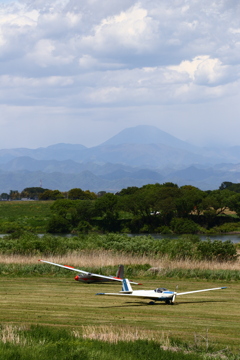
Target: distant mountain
[(143, 174), (145, 134), (53, 152), (134, 157), (64, 182), (25, 163)]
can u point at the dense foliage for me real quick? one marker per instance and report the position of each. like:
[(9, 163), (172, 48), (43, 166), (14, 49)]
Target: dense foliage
[(185, 247), (155, 208)]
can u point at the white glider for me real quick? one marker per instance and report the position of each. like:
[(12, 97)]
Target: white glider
[(88, 277), (159, 294)]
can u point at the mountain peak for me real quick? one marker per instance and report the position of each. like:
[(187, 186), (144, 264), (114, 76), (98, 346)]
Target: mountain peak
[(147, 134)]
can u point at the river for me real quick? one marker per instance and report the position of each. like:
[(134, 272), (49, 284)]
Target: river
[(234, 238)]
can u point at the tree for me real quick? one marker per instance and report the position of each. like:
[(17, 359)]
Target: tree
[(67, 209), (128, 191), (14, 195), (51, 195), (32, 192), (79, 194), (234, 203), (107, 207), (151, 202), (5, 196), (230, 186), (86, 210), (190, 200), (101, 193), (58, 224), (216, 201)]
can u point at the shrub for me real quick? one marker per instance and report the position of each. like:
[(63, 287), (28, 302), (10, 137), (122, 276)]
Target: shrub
[(58, 224), (228, 227), (217, 250), (83, 227), (184, 226)]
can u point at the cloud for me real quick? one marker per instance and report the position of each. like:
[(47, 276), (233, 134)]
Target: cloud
[(132, 29), (203, 70), (85, 54)]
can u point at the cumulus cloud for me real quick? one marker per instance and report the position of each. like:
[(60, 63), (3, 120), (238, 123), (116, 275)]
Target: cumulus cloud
[(132, 29)]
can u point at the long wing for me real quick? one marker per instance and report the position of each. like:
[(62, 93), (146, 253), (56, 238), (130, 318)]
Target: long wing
[(113, 278), (65, 267), (196, 291), (134, 294)]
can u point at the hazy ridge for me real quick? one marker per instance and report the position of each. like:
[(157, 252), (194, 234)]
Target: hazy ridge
[(134, 157)]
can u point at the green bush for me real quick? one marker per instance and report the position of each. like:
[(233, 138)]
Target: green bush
[(228, 227), (58, 225), (83, 227), (183, 226), (217, 250)]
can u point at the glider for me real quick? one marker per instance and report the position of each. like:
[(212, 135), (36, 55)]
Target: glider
[(159, 294), (88, 277)]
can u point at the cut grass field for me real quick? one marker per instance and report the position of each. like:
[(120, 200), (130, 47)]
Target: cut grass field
[(211, 317)]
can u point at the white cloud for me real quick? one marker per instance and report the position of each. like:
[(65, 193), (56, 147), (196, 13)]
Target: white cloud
[(132, 29), (203, 70), (45, 53)]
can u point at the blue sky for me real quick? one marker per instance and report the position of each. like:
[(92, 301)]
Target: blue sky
[(80, 71)]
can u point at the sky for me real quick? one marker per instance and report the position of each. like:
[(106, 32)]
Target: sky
[(80, 71)]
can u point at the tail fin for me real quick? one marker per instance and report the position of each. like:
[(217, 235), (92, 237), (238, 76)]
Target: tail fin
[(120, 272), (126, 287)]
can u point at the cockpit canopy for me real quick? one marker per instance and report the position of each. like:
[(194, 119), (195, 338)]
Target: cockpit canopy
[(160, 290)]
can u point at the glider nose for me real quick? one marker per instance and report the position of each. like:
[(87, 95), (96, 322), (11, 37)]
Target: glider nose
[(76, 278)]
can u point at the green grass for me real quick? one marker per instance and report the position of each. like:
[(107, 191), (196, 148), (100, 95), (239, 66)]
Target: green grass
[(38, 342), (64, 303), (24, 215)]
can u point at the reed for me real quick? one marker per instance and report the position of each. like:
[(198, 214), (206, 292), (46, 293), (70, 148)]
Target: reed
[(12, 334), (101, 258), (114, 334)]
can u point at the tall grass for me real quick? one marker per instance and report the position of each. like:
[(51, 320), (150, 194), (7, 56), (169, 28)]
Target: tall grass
[(106, 262), (101, 258), (115, 334)]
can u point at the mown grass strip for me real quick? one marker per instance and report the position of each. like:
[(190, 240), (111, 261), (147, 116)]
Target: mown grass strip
[(65, 303)]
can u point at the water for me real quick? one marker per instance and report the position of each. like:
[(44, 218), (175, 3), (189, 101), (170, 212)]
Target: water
[(234, 238)]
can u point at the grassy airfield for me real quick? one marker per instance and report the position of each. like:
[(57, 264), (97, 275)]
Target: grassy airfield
[(210, 319)]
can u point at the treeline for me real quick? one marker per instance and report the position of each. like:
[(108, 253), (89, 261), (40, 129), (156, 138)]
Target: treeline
[(38, 193), (162, 208)]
